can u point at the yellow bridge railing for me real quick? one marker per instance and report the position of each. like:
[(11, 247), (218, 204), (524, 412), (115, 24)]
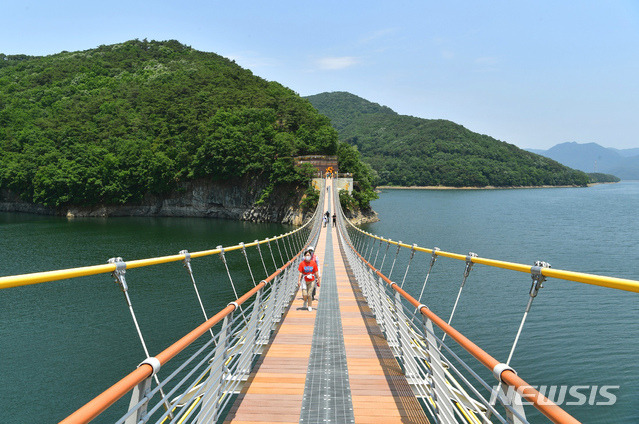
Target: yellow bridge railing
[(47, 276), (579, 277)]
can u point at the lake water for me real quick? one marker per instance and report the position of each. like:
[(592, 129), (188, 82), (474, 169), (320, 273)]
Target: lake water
[(64, 342), (575, 334)]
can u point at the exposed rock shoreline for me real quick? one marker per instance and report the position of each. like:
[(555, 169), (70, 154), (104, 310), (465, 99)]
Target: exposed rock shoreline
[(362, 217), (213, 199)]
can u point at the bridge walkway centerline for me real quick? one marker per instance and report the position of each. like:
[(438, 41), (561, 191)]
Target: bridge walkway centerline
[(281, 384)]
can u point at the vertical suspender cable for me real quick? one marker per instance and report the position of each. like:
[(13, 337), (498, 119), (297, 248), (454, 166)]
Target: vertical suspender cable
[(537, 283), (290, 245), (268, 241), (187, 265), (280, 250), (384, 258), (390, 274), (371, 246), (262, 258), (118, 275), (247, 263), (284, 248), (467, 269), (379, 246), (412, 255), (433, 258)]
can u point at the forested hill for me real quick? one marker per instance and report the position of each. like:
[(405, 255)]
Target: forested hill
[(407, 151), (112, 124)]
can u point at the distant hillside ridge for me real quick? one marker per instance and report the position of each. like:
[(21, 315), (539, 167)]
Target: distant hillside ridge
[(409, 151), (121, 124), (592, 157)]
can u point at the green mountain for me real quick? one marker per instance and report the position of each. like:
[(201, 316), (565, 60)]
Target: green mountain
[(407, 151), (113, 124)]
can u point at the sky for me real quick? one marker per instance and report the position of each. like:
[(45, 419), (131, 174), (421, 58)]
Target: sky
[(531, 73)]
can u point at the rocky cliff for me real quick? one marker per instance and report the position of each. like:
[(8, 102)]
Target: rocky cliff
[(201, 198)]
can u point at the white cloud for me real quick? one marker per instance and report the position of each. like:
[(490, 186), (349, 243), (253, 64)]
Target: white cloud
[(335, 63)]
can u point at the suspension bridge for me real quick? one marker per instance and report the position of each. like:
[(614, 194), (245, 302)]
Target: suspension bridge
[(366, 352)]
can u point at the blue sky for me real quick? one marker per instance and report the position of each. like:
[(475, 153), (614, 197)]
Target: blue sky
[(533, 73)]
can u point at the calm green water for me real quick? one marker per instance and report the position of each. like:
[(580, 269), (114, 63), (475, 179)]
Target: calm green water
[(62, 343), (575, 334)]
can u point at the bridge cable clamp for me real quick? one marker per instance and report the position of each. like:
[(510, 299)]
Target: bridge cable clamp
[(222, 257), (154, 362), (234, 304), (499, 369), (469, 263), (118, 273), (243, 248), (420, 306), (537, 277), (412, 250), (433, 256), (187, 257)]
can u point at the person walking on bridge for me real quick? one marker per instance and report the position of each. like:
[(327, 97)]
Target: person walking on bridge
[(309, 276), (315, 259)]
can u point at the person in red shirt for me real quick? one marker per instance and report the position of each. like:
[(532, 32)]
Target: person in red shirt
[(316, 260), (309, 276)]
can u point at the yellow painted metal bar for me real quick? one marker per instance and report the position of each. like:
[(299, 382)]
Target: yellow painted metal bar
[(63, 274), (579, 277)]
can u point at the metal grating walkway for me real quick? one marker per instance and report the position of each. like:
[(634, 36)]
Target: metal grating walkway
[(327, 393)]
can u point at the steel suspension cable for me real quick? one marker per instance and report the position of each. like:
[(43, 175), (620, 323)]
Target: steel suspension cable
[(433, 258), (277, 242), (381, 267), (187, 265), (228, 272), (537, 283), (467, 269), (271, 249), (289, 252), (369, 249), (118, 276), (262, 258), (390, 274), (412, 255), (290, 245), (379, 246), (248, 263)]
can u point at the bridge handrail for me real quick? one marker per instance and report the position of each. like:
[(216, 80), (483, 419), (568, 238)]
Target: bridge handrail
[(62, 274), (118, 390), (508, 376), (111, 395), (579, 277)]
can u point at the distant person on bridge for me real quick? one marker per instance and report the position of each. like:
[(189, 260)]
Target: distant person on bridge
[(325, 220), (309, 276), (334, 218)]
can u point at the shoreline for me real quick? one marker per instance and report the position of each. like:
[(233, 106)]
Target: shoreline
[(481, 188)]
